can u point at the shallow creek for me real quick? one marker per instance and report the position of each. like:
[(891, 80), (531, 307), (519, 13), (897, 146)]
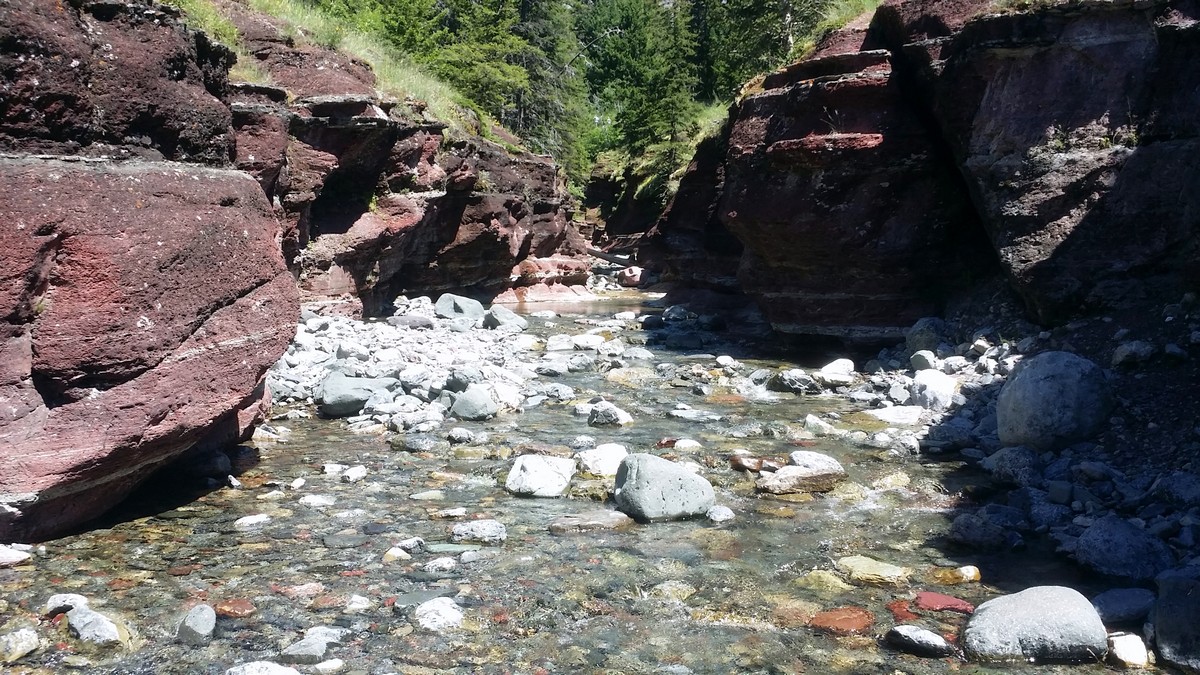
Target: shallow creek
[(676, 597)]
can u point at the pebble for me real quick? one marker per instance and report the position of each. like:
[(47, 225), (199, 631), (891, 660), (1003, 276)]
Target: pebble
[(311, 649), (198, 625), (235, 608), (719, 514), (252, 522), (919, 641), (16, 645), (439, 614)]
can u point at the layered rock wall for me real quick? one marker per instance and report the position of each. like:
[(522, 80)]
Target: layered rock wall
[(931, 144), (157, 218), (377, 200)]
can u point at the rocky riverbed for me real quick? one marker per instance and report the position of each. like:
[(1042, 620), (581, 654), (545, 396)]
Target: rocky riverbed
[(613, 489)]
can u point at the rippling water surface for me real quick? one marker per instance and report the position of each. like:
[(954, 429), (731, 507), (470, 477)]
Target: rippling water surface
[(669, 597)]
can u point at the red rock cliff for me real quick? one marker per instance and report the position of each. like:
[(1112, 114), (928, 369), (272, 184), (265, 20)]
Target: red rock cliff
[(925, 146), (141, 300)]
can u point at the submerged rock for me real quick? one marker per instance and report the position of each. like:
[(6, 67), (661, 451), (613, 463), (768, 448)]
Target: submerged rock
[(918, 641), (808, 472)]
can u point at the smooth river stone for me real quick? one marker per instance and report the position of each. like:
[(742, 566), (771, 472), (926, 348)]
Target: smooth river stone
[(590, 521), (808, 472), (870, 571)]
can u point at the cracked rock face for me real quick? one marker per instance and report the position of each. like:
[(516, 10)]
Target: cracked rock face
[(140, 306)]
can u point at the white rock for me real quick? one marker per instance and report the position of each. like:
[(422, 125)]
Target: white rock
[(933, 389), (18, 644), (602, 460), (251, 522), (396, 553), (443, 564), (1128, 650), (438, 615), (357, 604), (907, 415), (10, 557), (354, 474), (486, 531), (261, 668), (330, 667), (333, 469), (720, 514), (318, 501), (684, 444), (540, 475)]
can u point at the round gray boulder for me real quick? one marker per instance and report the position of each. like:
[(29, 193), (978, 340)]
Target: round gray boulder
[(475, 403), (652, 488), (1053, 400), (1043, 623)]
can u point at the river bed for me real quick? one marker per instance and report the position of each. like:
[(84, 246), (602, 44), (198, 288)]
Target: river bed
[(679, 597)]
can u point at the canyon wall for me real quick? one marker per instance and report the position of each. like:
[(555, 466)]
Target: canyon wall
[(932, 144), (161, 225)]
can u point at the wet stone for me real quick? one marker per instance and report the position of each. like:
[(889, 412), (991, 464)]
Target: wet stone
[(938, 602), (485, 531), (235, 608), (590, 521), (18, 644), (261, 668), (919, 641), (843, 621), (870, 571), (197, 625), (345, 540)]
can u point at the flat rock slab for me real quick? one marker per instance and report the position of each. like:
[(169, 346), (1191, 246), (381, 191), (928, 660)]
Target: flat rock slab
[(905, 415), (843, 621), (938, 602), (1043, 623), (866, 570), (590, 522), (807, 472)]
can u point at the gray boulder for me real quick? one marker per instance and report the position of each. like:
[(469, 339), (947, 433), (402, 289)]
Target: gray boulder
[(1124, 605), (451, 306), (933, 390), (1053, 400), (340, 395), (1043, 623), (793, 380), (808, 472), (499, 316), (475, 403), (926, 334), (651, 488), (1117, 547), (311, 649), (1177, 622), (1018, 465)]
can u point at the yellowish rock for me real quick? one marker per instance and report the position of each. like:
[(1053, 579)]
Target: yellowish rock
[(823, 582), (866, 570)]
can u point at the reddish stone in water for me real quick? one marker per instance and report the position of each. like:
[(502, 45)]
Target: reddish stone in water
[(235, 608), (843, 621), (901, 611), (938, 602)]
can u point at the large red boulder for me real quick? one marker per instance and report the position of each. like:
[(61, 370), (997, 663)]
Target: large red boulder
[(141, 305)]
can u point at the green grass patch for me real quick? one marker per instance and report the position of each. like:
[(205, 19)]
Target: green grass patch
[(202, 15), (396, 74)]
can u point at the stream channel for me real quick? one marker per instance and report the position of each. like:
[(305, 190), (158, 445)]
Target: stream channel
[(676, 597)]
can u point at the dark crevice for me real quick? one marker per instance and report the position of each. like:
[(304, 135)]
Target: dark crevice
[(977, 257)]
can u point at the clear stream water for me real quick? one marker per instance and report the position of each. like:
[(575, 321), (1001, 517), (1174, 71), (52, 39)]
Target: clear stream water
[(661, 598)]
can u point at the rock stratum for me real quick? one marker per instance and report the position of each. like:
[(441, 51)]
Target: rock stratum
[(931, 144), (158, 216)]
